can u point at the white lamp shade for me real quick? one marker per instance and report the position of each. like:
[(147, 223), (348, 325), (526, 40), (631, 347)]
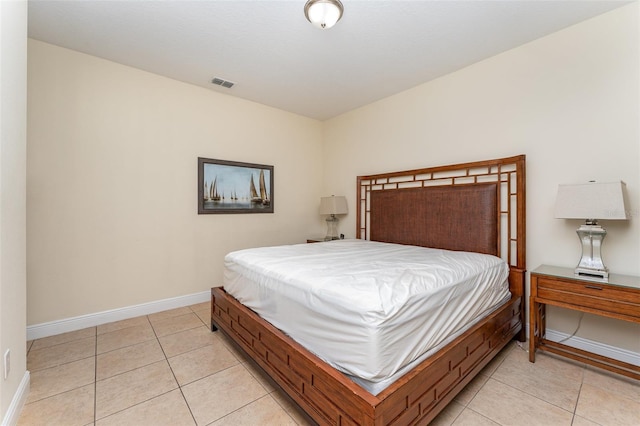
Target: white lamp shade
[(333, 205), (323, 13), (592, 200)]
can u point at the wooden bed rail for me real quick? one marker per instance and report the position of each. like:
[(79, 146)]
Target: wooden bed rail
[(331, 398)]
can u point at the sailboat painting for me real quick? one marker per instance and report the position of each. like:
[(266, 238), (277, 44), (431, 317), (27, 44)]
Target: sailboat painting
[(234, 187)]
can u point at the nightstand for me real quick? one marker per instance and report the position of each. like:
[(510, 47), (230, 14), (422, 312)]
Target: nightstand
[(618, 297)]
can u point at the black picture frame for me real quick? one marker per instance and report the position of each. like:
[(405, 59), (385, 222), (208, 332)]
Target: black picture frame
[(228, 187)]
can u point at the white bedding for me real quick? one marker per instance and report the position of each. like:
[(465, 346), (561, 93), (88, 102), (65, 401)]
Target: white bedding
[(369, 309)]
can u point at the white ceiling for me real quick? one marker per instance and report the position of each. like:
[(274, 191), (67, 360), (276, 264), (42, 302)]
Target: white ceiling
[(277, 58)]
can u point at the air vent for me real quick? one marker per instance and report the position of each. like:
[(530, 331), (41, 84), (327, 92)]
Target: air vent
[(223, 83)]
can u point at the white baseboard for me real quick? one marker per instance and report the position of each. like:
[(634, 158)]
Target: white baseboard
[(71, 324), (17, 402), (620, 354), (596, 347), (52, 328)]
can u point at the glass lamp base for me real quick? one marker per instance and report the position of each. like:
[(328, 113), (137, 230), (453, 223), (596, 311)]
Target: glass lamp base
[(332, 228)]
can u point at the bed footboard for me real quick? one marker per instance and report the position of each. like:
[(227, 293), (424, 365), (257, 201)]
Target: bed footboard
[(330, 398)]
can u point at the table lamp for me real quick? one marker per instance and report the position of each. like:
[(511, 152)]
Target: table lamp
[(592, 201), (333, 206)]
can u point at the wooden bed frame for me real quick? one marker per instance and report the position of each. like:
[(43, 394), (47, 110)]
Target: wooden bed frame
[(477, 206)]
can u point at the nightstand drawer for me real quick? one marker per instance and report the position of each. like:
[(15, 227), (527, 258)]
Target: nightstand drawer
[(592, 295)]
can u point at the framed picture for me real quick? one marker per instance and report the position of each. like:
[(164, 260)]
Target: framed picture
[(233, 187)]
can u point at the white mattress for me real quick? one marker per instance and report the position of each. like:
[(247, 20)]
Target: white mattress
[(369, 309)]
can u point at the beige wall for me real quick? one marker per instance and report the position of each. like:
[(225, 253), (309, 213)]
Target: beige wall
[(112, 195), (13, 111), (569, 101)]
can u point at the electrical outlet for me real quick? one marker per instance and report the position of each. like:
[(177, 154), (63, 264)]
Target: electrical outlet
[(7, 363)]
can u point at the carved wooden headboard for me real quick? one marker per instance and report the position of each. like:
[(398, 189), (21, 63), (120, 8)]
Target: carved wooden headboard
[(477, 206)]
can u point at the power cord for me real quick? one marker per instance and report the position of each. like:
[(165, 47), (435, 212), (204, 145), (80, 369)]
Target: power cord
[(522, 346), (575, 331)]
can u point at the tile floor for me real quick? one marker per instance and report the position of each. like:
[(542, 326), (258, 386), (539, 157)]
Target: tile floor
[(169, 369)]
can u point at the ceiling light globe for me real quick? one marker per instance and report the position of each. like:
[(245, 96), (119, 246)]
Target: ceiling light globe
[(323, 14)]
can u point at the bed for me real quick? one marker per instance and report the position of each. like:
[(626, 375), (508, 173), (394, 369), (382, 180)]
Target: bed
[(474, 207)]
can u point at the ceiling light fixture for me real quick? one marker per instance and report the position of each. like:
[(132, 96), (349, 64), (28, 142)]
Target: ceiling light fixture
[(323, 14)]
